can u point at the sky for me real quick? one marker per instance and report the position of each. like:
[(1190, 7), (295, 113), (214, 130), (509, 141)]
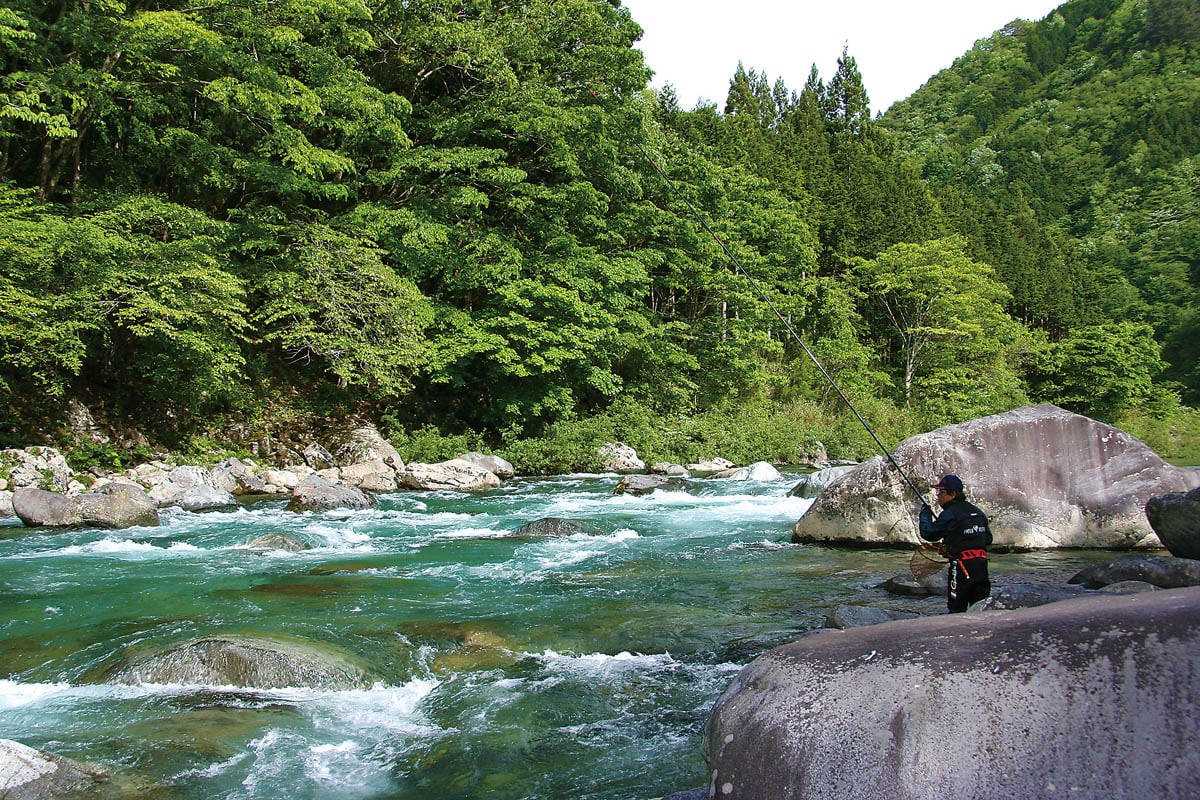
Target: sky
[(695, 45)]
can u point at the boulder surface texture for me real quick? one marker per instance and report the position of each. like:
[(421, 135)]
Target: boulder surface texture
[(1175, 518), (248, 662), (1084, 698), (28, 774), (1045, 477)]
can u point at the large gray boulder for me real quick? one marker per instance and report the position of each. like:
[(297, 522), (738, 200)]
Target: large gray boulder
[(620, 457), (113, 505), (1046, 478), (1175, 517), (314, 493), (1092, 698), (374, 475), (365, 444), (29, 774), (453, 475), (494, 464), (247, 662)]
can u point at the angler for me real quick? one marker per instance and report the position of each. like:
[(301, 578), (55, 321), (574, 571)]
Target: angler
[(964, 530)]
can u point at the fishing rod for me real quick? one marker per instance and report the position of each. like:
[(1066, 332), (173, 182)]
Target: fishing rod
[(786, 325)]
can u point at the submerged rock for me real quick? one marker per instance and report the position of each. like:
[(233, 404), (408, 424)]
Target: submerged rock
[(1003, 704), (1045, 477), (278, 541), (550, 527), (246, 662), (1161, 571)]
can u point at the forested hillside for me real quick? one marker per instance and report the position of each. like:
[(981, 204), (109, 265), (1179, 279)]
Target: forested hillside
[(223, 220)]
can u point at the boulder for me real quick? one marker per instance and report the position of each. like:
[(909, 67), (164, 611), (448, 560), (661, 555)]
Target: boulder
[(493, 464), (813, 484), (453, 475), (670, 470), (269, 542), (1175, 517), (549, 527), (6, 504), (29, 774), (118, 505), (112, 505), (645, 484), (39, 467), (365, 444), (314, 493), (38, 508), (710, 465), (758, 471), (619, 457), (1090, 697), (205, 498), (237, 477), (370, 476), (1029, 595), (1162, 571), (318, 457), (247, 662), (1046, 478)]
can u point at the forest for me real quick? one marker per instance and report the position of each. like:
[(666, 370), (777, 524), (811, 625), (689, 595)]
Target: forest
[(225, 224)]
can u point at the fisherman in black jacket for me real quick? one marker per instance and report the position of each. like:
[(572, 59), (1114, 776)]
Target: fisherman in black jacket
[(964, 531)]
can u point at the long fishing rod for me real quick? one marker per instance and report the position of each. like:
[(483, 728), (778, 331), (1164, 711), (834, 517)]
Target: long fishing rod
[(786, 325)]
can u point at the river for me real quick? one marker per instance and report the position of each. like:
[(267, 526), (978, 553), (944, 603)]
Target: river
[(505, 667)]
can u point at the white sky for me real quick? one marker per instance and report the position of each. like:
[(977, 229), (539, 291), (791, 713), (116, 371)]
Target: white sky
[(695, 45)]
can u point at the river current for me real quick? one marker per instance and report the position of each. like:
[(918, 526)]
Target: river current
[(504, 667)]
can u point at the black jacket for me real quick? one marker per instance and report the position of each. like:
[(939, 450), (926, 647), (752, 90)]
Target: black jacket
[(961, 525)]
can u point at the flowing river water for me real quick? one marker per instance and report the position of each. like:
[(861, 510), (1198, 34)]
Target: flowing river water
[(504, 667)]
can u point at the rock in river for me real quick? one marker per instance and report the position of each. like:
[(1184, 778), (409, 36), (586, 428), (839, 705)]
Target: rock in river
[(1093, 697), (1046, 478), (247, 662)]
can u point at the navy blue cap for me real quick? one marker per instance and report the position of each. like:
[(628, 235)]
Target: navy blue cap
[(950, 483)]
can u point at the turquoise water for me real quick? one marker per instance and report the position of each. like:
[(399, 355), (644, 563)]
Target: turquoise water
[(504, 667)]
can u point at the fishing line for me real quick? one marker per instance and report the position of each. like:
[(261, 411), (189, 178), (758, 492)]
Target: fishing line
[(786, 325)]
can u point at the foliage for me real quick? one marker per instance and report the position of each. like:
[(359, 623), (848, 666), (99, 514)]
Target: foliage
[(474, 223)]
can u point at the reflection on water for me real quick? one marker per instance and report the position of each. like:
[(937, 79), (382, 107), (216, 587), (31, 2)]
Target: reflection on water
[(503, 667)]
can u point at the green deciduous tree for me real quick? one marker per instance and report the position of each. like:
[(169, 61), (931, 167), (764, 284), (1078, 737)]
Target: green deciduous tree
[(941, 323)]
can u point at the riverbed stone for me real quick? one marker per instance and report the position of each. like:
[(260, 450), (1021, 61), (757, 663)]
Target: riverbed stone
[(38, 467), (1036, 702), (366, 444), (314, 493), (111, 505), (494, 464), (371, 476), (758, 471), (1164, 572), (620, 457), (270, 542), (248, 662), (550, 528), (645, 484), (454, 475), (1045, 477), (1032, 594), (1175, 517), (238, 477), (29, 774)]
